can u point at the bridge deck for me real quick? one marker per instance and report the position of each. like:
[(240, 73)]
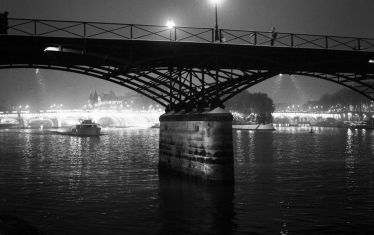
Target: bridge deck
[(98, 52)]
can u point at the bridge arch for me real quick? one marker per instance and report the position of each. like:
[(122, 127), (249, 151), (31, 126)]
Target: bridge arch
[(107, 121), (188, 75), (232, 82), (37, 122)]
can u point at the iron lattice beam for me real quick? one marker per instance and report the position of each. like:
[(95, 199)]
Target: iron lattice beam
[(198, 88)]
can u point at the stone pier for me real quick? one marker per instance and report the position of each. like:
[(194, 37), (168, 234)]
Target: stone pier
[(198, 144)]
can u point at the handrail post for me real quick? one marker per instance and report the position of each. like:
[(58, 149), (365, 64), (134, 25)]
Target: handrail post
[(34, 27), (291, 39), (326, 42), (255, 36), (212, 35), (359, 44), (131, 33), (175, 33), (84, 30)]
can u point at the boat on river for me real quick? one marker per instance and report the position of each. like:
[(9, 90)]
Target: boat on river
[(86, 128)]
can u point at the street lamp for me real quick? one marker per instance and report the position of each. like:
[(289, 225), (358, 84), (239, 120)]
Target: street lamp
[(171, 25), (216, 30)]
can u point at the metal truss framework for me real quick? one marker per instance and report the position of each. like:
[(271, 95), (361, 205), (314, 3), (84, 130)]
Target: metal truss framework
[(178, 88), (181, 83)]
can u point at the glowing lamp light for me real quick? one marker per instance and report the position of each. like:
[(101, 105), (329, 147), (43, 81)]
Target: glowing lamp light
[(216, 2), (371, 61), (170, 24), (52, 49)]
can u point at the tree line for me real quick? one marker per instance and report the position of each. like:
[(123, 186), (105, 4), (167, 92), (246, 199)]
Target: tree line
[(256, 107), (343, 97)]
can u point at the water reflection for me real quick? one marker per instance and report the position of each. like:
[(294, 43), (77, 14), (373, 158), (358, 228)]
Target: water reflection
[(286, 181), (349, 144), (190, 207), (350, 158), (244, 146), (263, 148)]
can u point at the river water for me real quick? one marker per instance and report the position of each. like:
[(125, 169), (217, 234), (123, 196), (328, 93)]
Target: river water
[(286, 182)]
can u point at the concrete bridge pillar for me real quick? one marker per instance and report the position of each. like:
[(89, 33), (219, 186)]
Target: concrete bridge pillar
[(198, 144)]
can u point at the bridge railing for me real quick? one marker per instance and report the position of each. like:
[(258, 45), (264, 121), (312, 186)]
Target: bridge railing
[(77, 29)]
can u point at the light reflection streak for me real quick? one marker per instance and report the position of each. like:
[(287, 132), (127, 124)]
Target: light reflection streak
[(76, 163), (350, 158), (75, 146), (371, 139), (27, 152), (244, 146), (298, 88), (278, 82), (251, 143), (40, 80)]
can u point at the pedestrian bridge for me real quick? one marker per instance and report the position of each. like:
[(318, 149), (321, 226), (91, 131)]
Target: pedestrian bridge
[(184, 67)]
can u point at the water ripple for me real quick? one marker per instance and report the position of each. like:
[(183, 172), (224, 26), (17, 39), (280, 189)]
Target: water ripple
[(287, 182)]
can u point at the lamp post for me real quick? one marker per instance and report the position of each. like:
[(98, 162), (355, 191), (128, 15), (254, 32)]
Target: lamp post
[(216, 31), (217, 36), (171, 25)]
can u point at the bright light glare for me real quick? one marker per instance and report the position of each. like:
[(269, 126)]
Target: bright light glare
[(170, 24), (371, 61), (214, 2), (51, 49)]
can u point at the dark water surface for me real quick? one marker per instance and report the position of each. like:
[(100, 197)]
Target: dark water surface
[(286, 182)]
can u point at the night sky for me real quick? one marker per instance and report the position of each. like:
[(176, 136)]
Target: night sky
[(330, 17)]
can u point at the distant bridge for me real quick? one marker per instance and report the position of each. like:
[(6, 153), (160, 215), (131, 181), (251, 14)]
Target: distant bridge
[(183, 67), (304, 117), (61, 118), (313, 117)]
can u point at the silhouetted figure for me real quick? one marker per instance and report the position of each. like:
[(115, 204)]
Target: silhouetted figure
[(4, 23), (273, 36), (222, 37)]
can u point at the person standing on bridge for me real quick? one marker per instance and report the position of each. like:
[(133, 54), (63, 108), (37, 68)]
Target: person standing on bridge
[(273, 36), (4, 23)]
